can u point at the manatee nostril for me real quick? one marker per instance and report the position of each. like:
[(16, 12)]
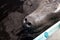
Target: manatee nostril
[(29, 23), (25, 19)]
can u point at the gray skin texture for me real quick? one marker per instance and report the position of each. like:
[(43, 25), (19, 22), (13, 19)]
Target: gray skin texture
[(13, 22), (44, 16)]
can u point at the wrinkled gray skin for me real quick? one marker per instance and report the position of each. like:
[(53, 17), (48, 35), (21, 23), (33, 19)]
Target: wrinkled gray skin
[(13, 22), (30, 5), (44, 16)]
